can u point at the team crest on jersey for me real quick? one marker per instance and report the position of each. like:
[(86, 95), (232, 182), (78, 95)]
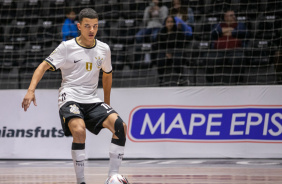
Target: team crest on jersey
[(99, 62), (88, 66), (74, 109)]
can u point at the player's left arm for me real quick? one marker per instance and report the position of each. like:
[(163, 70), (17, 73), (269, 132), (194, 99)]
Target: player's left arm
[(107, 86)]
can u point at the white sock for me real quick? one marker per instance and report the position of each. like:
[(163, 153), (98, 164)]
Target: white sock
[(78, 157), (116, 155)]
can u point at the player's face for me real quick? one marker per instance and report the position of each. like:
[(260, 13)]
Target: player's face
[(88, 28)]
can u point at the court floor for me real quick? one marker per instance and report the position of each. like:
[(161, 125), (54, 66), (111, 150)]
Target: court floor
[(147, 171)]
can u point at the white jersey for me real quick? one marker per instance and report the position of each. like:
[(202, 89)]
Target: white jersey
[(80, 67)]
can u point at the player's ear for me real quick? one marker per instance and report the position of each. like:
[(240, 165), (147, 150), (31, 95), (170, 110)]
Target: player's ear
[(78, 26)]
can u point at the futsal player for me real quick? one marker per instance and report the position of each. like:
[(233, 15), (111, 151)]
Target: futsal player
[(80, 60)]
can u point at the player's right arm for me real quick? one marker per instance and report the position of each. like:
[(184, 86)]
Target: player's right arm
[(37, 76)]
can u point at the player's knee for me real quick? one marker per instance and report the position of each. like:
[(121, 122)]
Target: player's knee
[(77, 127), (120, 128), (78, 130), (79, 134), (120, 132)]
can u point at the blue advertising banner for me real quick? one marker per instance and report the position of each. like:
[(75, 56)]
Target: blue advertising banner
[(206, 124)]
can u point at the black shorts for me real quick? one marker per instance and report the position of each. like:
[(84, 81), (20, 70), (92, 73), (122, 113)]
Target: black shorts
[(93, 115)]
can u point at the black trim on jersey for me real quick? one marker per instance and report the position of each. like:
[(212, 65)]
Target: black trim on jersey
[(52, 67), (108, 72), (84, 46)]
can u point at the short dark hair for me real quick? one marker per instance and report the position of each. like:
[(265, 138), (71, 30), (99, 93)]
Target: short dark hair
[(87, 13)]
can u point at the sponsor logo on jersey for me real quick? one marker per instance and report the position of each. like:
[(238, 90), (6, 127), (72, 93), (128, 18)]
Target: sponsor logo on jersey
[(74, 109), (64, 96), (99, 62), (206, 124), (75, 61), (88, 66)]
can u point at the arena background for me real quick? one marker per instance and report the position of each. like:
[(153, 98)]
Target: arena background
[(192, 119)]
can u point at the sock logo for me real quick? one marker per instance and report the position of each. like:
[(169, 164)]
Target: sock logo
[(120, 156), (79, 163)]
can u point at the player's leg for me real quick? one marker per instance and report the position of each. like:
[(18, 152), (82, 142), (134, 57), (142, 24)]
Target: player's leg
[(78, 131), (116, 125), (72, 121)]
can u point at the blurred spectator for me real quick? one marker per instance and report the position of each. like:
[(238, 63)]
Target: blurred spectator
[(228, 38), (153, 18), (170, 43), (184, 13), (181, 25), (69, 29), (228, 34)]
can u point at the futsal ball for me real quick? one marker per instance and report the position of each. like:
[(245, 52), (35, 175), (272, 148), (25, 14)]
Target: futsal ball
[(116, 179)]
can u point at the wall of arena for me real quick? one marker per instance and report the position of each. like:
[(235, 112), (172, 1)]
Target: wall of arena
[(179, 122)]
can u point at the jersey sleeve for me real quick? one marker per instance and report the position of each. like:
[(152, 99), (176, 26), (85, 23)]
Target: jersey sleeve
[(57, 58), (107, 64)]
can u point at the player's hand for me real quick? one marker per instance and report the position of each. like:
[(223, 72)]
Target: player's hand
[(29, 97)]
